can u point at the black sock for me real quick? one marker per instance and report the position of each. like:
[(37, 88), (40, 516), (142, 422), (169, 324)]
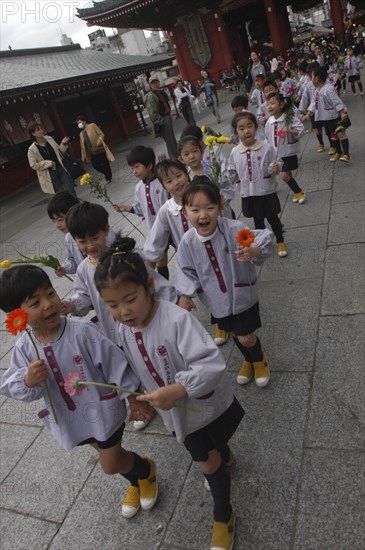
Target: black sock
[(320, 139), (353, 88), (277, 228), (259, 223), (256, 351), (220, 487), (140, 470), (336, 144), (345, 146), (293, 185), (245, 351), (164, 271), (360, 86)]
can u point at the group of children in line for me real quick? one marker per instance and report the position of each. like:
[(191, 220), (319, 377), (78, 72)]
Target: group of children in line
[(145, 336)]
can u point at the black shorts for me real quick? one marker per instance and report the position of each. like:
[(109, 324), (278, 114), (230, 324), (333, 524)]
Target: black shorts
[(354, 78), (241, 324), (111, 442), (261, 207), (289, 163), (216, 434)]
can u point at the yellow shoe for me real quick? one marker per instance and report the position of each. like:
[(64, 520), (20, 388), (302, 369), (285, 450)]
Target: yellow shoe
[(223, 534), (282, 250), (131, 503), (299, 197), (221, 337), (320, 148), (245, 374), (331, 151), (335, 157), (148, 489), (345, 158), (262, 372)]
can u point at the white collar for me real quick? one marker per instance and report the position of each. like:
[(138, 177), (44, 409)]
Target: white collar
[(257, 145), (205, 239), (173, 207)]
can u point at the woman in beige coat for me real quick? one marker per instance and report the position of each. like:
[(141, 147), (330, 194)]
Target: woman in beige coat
[(44, 156), (92, 147)]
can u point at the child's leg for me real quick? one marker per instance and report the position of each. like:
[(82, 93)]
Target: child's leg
[(344, 144), (359, 83), (353, 89), (252, 344), (277, 227), (162, 266), (259, 223), (220, 485), (291, 182), (330, 127)]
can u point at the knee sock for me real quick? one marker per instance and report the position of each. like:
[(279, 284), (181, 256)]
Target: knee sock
[(164, 271), (353, 87), (256, 351), (259, 224), (336, 144), (345, 146), (140, 470), (320, 139), (245, 351), (220, 487), (277, 228), (360, 86), (293, 185)]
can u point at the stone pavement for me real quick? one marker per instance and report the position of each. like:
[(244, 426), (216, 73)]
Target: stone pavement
[(298, 477)]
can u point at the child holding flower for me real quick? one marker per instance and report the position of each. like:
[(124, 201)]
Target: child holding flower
[(211, 265), (63, 345)]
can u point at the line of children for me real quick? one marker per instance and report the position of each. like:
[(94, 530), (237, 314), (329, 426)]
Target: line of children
[(177, 360), (253, 163), (96, 359), (149, 194)]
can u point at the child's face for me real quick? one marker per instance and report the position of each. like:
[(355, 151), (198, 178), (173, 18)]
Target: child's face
[(59, 222), (44, 311), (130, 304), (274, 106), (315, 80), (239, 109), (203, 214), (175, 181), (246, 131), (191, 155), (93, 245), (259, 83), (141, 171), (269, 90)]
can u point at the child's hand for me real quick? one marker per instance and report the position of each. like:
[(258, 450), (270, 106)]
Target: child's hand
[(140, 411), (247, 254), (152, 265), (164, 398), (67, 307), (186, 303), (60, 271), (37, 372), (343, 115), (275, 167), (121, 207), (65, 140)]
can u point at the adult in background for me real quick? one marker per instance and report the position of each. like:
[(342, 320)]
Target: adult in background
[(45, 157), (211, 96), (184, 100), (255, 67), (92, 147), (157, 105)]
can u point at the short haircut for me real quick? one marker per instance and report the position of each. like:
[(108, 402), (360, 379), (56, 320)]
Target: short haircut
[(61, 203), (321, 73), (192, 130), (244, 114), (303, 66), (80, 117), (201, 184), (163, 167), (86, 219), (19, 283), (187, 139), (32, 127), (141, 155), (239, 101), (270, 82)]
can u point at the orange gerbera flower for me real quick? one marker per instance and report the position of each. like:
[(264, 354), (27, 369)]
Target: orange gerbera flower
[(245, 238), (16, 321)]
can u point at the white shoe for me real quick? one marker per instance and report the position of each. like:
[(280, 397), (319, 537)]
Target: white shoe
[(139, 425)]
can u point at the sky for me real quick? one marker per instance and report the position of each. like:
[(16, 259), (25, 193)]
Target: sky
[(36, 24)]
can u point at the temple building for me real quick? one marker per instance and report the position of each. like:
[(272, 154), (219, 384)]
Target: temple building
[(209, 34)]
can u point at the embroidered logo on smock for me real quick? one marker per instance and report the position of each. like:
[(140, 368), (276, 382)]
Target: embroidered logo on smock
[(77, 359)]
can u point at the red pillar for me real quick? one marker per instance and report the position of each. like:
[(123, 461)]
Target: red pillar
[(337, 20), (278, 24), (179, 46), (118, 114), (224, 42), (59, 125)]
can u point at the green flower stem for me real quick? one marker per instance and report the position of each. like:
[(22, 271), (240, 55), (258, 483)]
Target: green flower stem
[(36, 261), (45, 382), (102, 385)]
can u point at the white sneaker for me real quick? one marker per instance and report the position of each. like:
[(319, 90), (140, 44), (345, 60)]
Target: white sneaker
[(139, 425)]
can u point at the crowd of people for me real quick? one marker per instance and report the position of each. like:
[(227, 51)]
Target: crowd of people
[(145, 342)]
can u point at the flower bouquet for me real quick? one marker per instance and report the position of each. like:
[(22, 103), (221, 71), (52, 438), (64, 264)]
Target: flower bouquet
[(215, 141)]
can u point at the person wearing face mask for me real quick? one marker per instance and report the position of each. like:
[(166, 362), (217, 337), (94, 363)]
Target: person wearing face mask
[(92, 147)]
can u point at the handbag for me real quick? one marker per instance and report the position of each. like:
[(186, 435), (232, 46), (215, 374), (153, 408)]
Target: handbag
[(97, 148), (72, 165)]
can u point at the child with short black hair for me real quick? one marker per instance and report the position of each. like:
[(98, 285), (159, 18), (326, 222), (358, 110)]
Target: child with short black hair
[(180, 365), (257, 95), (89, 225), (239, 103), (149, 194), (59, 342), (352, 65)]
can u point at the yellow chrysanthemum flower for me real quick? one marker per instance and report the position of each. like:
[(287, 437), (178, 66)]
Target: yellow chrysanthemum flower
[(223, 139), (5, 264), (85, 179), (210, 140), (203, 128)]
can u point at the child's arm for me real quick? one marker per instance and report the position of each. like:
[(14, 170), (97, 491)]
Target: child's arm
[(140, 410), (158, 237), (186, 303), (164, 290), (164, 398), (23, 380), (187, 282), (80, 302), (263, 241)]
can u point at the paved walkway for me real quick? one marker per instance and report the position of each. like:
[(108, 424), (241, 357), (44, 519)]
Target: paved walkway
[(298, 477)]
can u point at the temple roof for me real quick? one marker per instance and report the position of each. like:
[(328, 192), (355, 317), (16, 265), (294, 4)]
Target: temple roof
[(41, 68)]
